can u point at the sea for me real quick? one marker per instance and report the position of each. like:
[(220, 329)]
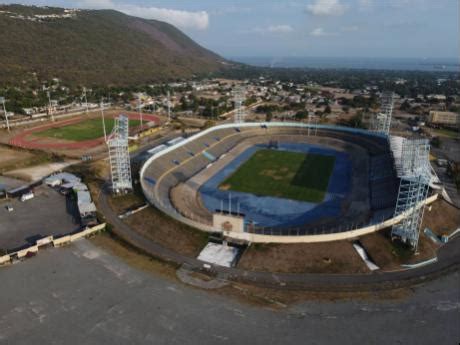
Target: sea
[(399, 64)]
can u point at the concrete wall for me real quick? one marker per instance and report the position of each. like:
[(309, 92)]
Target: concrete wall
[(50, 240), (353, 233)]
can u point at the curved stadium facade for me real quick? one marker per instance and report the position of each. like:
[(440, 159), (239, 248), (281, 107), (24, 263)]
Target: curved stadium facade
[(189, 181)]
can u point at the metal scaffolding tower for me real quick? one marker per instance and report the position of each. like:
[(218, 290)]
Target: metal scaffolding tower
[(120, 166), (239, 96), (382, 120), (415, 173)]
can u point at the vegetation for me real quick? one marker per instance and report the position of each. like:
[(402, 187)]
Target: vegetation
[(416, 82), (283, 174), (81, 131), (96, 48), (356, 121)]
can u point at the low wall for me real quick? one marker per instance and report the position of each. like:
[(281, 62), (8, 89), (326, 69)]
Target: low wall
[(5, 259), (58, 242)]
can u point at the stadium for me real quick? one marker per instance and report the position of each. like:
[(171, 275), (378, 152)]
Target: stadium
[(276, 181)]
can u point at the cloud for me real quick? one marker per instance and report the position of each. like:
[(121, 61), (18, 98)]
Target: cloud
[(326, 8), (274, 29), (319, 32), (184, 19)]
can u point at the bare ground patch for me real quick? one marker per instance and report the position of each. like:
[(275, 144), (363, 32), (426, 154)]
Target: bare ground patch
[(133, 257), (390, 255), (167, 232), (12, 158), (441, 217), (332, 257)]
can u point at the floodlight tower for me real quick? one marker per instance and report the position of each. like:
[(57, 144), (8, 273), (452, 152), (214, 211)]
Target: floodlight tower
[(2, 99), (120, 165), (86, 99), (49, 105), (239, 96), (415, 173), (103, 119), (382, 121), (139, 108)]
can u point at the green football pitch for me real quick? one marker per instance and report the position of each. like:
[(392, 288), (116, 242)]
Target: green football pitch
[(283, 174), (82, 131)]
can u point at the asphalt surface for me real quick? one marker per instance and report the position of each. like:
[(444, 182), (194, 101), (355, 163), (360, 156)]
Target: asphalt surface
[(448, 261), (82, 295)]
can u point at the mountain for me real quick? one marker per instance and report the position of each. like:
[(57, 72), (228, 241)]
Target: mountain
[(95, 47)]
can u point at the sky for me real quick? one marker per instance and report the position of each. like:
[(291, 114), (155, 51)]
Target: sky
[(299, 28)]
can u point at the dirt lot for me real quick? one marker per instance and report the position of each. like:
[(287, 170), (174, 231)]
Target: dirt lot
[(167, 232), (389, 256), (13, 159), (333, 257), (441, 217), (38, 172)]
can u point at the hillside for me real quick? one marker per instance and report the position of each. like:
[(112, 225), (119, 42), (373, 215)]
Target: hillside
[(89, 47)]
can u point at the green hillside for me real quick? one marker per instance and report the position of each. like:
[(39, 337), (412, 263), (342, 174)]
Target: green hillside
[(95, 47)]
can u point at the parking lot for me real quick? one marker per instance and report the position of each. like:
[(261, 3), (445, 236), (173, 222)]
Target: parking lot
[(81, 294), (48, 213)]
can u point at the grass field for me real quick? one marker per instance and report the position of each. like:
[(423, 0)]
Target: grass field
[(283, 174), (446, 133), (82, 131)]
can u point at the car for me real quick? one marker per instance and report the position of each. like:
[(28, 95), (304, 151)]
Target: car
[(9, 208)]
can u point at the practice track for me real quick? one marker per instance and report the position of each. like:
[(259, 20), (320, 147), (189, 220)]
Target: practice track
[(24, 139)]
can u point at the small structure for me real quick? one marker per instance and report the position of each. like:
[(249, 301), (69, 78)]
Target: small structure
[(444, 118), (60, 179), (68, 182), (86, 208), (228, 221), (219, 254)]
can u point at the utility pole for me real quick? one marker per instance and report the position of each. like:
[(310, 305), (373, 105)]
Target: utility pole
[(139, 108), (86, 99), (169, 108), (2, 99), (103, 120), (49, 102)]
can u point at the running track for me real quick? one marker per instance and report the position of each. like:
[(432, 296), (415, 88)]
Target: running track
[(25, 140)]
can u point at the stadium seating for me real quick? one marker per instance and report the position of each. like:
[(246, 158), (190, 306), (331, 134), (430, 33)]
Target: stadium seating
[(179, 165)]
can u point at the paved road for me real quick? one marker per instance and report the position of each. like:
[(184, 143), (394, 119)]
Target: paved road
[(82, 295), (448, 260)]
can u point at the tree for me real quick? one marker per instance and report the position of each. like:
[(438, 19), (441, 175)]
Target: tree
[(405, 106), (269, 116), (301, 114), (327, 110)]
